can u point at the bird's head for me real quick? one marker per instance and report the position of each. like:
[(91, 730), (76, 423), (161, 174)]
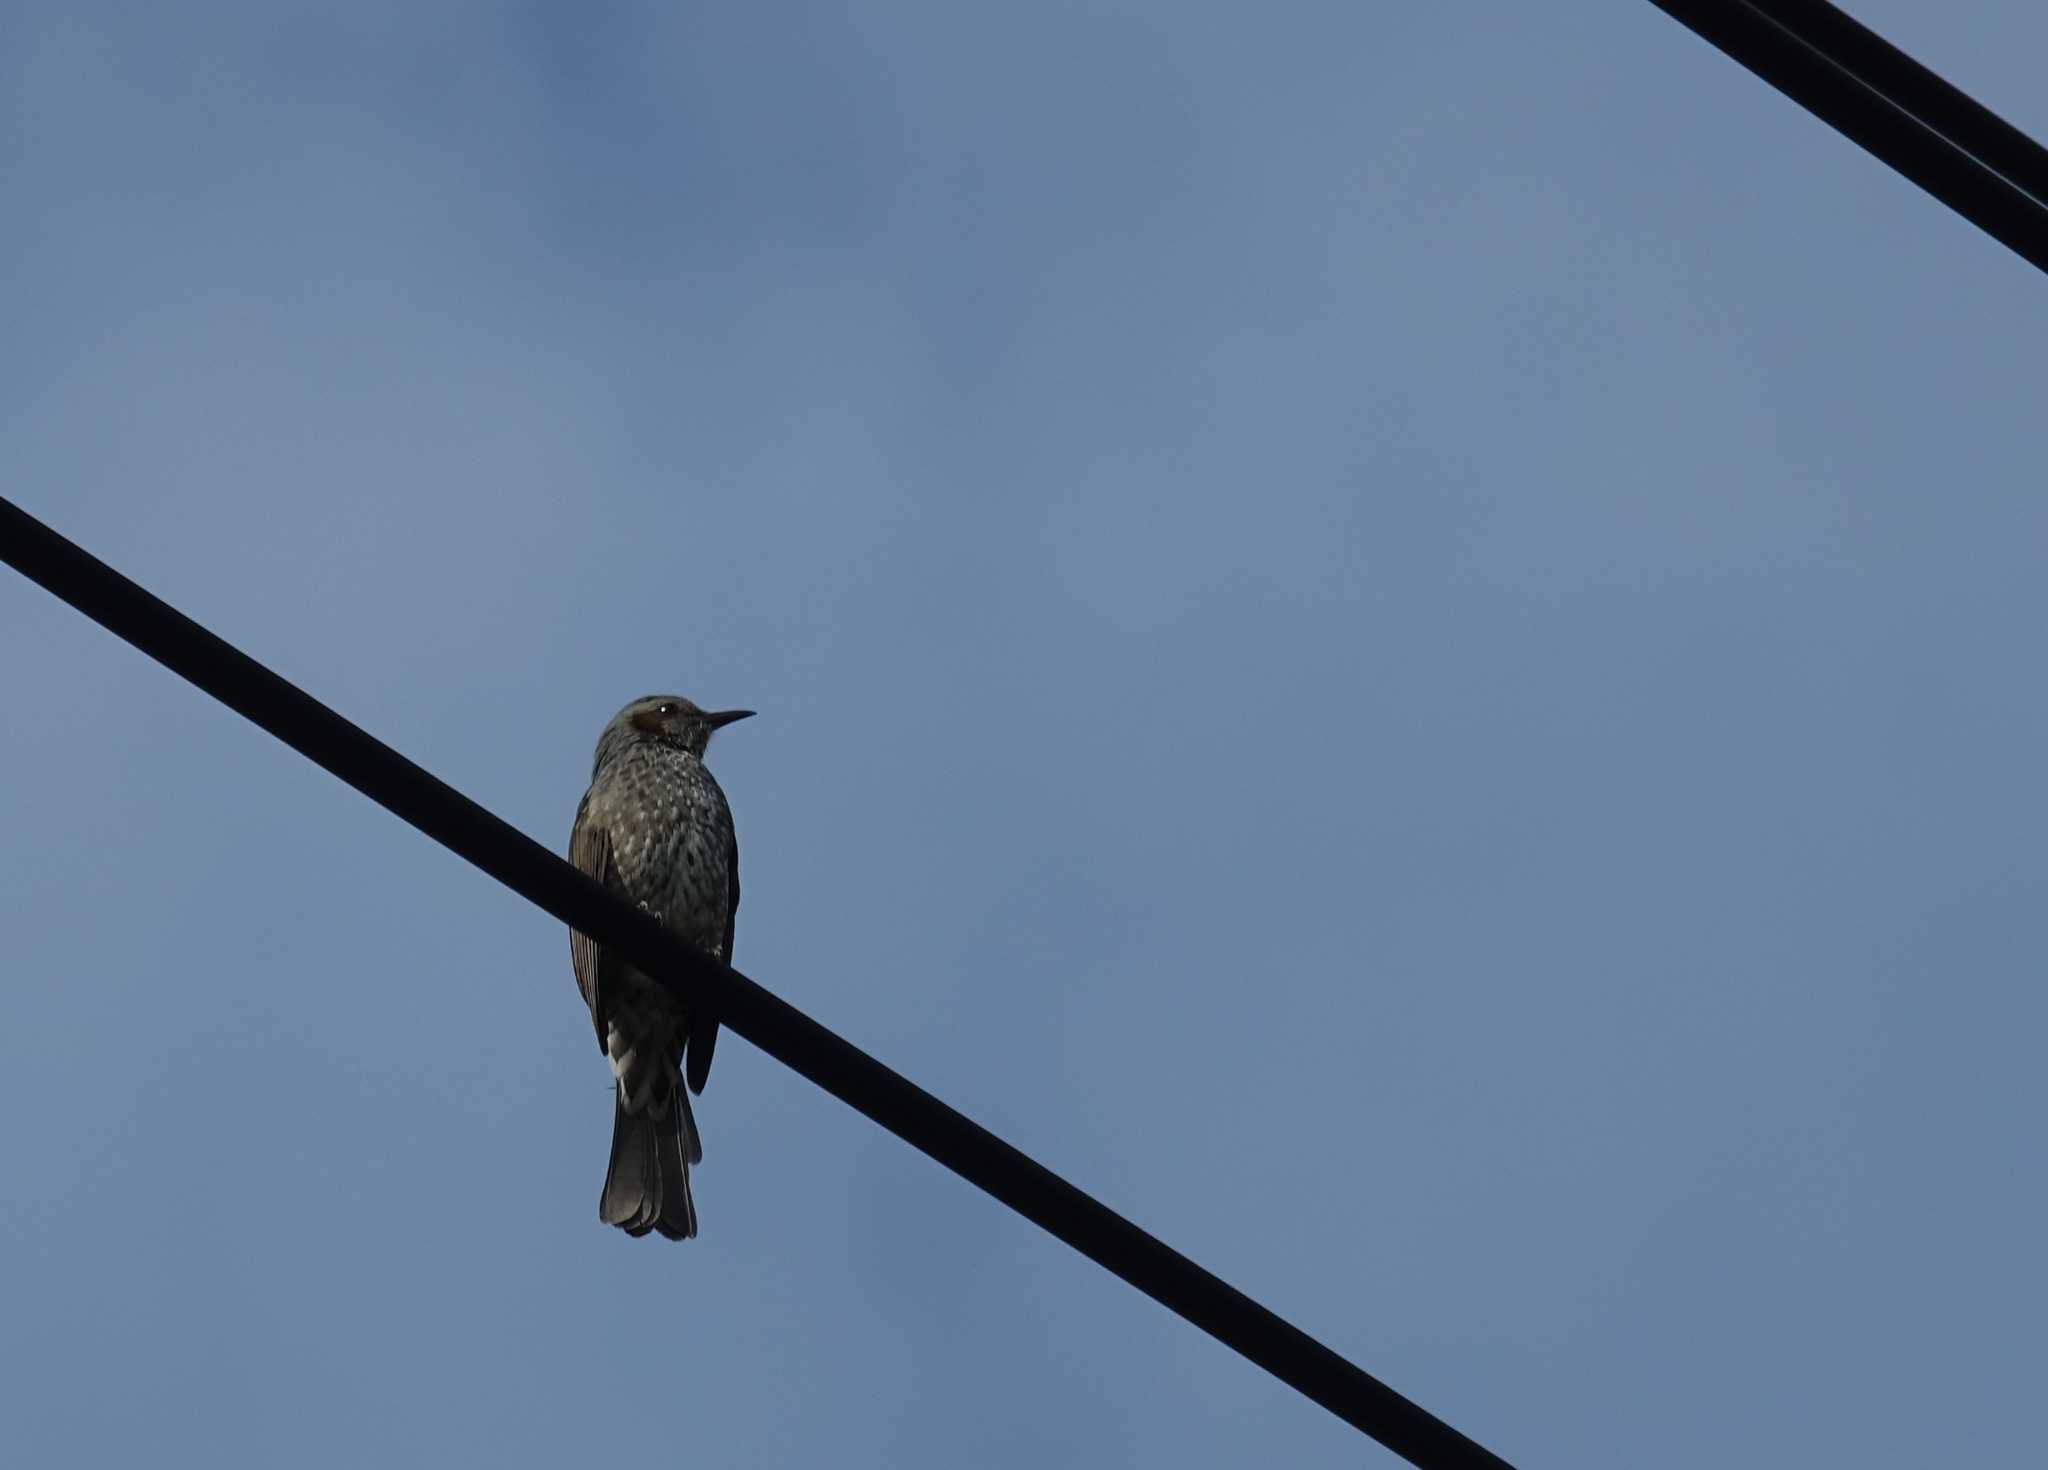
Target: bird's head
[(664, 719)]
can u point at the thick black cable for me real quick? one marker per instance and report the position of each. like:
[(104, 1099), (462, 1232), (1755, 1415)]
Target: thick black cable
[(1863, 114), (771, 1024), (1956, 115)]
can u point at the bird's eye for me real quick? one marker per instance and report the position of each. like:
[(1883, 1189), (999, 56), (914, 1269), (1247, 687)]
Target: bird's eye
[(667, 709)]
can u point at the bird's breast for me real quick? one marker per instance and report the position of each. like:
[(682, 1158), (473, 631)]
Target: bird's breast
[(669, 831)]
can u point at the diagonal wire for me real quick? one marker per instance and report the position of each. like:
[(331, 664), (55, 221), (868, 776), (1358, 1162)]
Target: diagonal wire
[(1960, 118), (1883, 100), (771, 1024)]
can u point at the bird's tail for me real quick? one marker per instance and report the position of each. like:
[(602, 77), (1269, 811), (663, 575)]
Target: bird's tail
[(647, 1186)]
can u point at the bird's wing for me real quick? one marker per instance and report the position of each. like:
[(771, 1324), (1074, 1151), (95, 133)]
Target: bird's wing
[(590, 848), (697, 1065)]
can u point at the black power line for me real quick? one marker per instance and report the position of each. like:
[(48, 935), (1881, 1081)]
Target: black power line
[(776, 1027), (1877, 96), (1959, 117)]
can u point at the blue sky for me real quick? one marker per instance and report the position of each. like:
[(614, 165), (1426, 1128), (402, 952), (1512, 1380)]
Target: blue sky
[(1405, 639)]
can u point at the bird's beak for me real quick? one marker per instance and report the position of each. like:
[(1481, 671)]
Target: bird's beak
[(717, 718)]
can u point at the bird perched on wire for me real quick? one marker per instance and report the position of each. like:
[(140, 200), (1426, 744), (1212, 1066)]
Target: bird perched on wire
[(655, 827)]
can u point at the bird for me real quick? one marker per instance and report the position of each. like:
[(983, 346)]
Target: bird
[(654, 827)]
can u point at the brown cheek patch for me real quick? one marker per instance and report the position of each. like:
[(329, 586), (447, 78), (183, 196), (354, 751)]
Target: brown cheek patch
[(647, 720)]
